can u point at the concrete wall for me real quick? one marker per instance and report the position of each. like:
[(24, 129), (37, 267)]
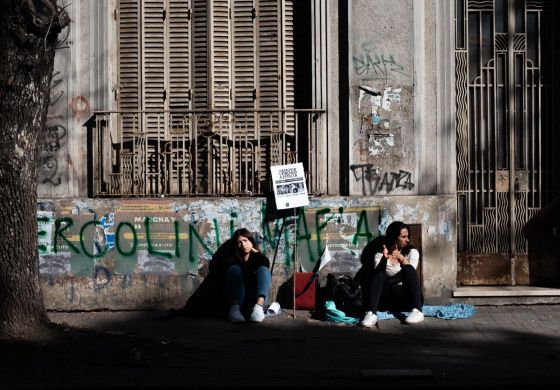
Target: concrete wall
[(141, 253), (382, 138), (401, 160), (401, 89), (83, 82)]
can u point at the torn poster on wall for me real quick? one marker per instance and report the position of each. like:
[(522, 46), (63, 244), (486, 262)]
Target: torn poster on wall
[(377, 98), (379, 143), (375, 105)]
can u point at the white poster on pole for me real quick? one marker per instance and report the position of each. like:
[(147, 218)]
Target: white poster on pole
[(289, 186)]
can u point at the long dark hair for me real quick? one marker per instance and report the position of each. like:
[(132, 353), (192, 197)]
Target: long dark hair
[(393, 232), (243, 233)]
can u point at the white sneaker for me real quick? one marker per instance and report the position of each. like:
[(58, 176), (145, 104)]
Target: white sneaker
[(235, 314), (369, 320), (414, 317), (257, 315)]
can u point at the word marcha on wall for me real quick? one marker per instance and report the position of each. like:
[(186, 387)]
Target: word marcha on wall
[(128, 247)]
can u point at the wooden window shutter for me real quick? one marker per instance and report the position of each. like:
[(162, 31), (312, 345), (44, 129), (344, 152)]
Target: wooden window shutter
[(180, 62), (245, 54), (220, 54), (129, 52), (154, 60), (179, 25), (200, 44), (177, 55), (275, 58), (154, 65)]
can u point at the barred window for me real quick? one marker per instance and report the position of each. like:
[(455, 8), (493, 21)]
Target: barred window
[(206, 98)]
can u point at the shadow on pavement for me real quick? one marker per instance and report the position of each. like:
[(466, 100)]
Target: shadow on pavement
[(133, 350)]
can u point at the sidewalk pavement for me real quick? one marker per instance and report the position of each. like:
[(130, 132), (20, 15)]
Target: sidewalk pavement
[(500, 346)]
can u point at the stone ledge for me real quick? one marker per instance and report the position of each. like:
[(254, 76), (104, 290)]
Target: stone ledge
[(505, 291), (506, 295)]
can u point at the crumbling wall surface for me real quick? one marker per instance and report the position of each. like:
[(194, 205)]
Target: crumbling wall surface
[(154, 253), (382, 138)]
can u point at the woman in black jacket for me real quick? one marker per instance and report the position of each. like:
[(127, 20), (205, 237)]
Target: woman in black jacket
[(237, 282), (247, 279)]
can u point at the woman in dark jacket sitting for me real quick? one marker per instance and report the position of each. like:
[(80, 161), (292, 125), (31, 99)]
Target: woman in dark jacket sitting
[(247, 279), (237, 282)]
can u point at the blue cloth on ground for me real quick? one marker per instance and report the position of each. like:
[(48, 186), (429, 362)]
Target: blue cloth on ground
[(334, 315), (447, 312)]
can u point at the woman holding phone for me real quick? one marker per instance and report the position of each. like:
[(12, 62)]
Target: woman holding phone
[(390, 282)]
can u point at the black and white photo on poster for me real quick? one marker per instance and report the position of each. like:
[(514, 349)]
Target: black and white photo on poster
[(289, 186)]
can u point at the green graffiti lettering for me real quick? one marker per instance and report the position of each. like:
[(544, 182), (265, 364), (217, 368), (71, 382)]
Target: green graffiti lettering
[(287, 255), (118, 237), (306, 236), (362, 220), (231, 230), (151, 249), (42, 233), (192, 234), (82, 230), (176, 226), (321, 226), (217, 230), (265, 229), (268, 239), (58, 232)]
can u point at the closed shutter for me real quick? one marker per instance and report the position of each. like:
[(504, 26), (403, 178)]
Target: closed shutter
[(276, 78), (129, 53), (154, 66), (207, 55), (287, 71), (244, 27), (244, 94), (154, 60), (178, 158), (220, 56), (270, 59), (200, 43), (179, 54)]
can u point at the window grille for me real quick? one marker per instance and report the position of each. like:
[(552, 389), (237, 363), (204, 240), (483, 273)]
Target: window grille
[(205, 99)]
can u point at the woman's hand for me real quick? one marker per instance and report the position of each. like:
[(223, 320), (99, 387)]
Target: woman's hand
[(397, 257), (389, 256)]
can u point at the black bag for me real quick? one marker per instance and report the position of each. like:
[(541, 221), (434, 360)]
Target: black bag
[(347, 296)]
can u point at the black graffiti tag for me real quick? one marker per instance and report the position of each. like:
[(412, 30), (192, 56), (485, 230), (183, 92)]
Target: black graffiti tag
[(48, 166), (379, 181)]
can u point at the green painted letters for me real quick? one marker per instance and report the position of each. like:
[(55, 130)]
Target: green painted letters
[(118, 238), (58, 232)]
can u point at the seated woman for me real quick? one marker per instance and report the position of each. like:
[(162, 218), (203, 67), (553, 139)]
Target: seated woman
[(247, 279), (389, 280)]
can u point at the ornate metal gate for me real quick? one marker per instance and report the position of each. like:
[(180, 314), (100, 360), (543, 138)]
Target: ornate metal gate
[(502, 168)]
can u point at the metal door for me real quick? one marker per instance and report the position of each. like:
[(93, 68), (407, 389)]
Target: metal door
[(505, 170)]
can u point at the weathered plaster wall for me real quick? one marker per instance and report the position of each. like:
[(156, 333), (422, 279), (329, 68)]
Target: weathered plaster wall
[(83, 79), (53, 161), (382, 139), (142, 253), (392, 144)]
